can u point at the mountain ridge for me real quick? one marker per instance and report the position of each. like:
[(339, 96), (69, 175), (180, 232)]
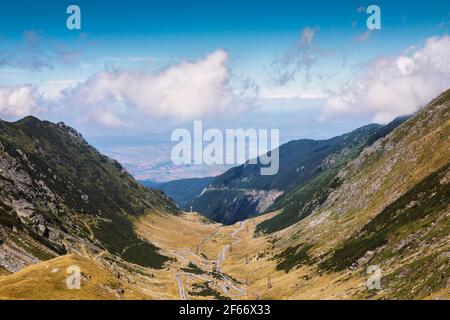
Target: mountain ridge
[(241, 192), (56, 190)]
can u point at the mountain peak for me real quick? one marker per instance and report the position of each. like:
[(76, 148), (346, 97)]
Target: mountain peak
[(28, 119)]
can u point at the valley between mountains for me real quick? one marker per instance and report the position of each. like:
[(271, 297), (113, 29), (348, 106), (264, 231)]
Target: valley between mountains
[(210, 262), (376, 197)]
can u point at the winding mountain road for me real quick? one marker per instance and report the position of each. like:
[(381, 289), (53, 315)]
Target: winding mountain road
[(181, 290), (208, 266), (226, 248)]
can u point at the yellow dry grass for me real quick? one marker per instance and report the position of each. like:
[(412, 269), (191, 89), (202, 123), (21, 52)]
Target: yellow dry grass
[(251, 262), (47, 281), (173, 231)]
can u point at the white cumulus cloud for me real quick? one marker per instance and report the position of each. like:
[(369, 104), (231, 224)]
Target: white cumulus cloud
[(184, 91), (18, 101), (389, 87)]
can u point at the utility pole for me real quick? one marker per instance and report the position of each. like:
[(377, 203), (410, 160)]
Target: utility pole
[(269, 283)]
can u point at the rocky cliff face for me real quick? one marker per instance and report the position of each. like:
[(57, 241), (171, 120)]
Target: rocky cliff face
[(59, 194)]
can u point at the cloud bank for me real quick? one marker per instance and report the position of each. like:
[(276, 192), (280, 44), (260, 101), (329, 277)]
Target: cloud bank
[(389, 87)]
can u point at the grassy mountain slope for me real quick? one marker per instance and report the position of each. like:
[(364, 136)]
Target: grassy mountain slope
[(57, 191), (242, 192), (391, 210), (302, 200)]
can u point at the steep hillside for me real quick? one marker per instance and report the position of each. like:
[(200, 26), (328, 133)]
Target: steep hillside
[(57, 193), (182, 191), (390, 210), (305, 166), (300, 202)]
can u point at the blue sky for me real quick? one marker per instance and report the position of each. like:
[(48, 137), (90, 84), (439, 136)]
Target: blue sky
[(141, 68), (203, 17), (253, 32)]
